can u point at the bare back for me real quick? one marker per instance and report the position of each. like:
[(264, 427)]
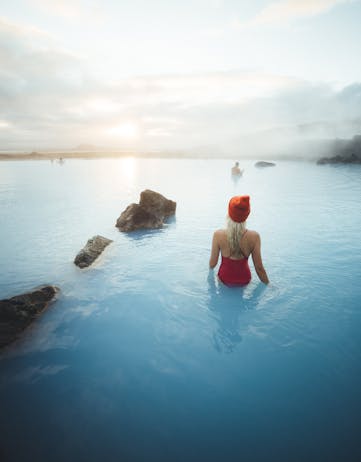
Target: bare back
[(250, 244), (246, 244)]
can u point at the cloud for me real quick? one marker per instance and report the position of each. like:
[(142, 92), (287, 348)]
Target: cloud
[(36, 76), (30, 52), (49, 100), (287, 10), (65, 8), (71, 9)]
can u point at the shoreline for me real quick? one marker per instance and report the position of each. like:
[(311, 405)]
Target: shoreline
[(90, 155)]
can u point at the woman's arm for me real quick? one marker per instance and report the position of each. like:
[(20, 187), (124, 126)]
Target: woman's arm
[(257, 261), (214, 252)]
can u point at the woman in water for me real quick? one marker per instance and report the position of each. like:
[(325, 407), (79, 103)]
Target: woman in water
[(236, 244)]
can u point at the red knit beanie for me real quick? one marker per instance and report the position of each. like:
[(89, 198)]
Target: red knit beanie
[(239, 208)]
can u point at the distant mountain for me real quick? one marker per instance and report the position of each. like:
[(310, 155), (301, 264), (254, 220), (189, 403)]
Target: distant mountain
[(87, 147)]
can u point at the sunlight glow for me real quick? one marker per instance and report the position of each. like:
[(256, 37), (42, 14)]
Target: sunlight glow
[(128, 167), (4, 124), (102, 105), (124, 130)]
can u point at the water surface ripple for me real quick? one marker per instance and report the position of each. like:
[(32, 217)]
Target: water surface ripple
[(145, 355)]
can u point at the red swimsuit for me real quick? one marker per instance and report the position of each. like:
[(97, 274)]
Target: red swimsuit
[(234, 272)]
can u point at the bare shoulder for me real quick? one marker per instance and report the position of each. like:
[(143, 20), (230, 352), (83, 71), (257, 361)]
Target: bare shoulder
[(220, 232), (219, 235), (252, 235)]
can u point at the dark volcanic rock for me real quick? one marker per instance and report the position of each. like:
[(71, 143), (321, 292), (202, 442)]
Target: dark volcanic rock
[(157, 204), (93, 248), (348, 159), (137, 217), (148, 214), (18, 312), (262, 163), (344, 152)]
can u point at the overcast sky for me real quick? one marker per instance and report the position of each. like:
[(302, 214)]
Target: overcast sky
[(163, 74)]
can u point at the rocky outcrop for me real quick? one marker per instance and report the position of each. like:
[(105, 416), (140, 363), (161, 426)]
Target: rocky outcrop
[(344, 152), (157, 204), (91, 251), (150, 213), (18, 312), (350, 159), (137, 217), (263, 163)]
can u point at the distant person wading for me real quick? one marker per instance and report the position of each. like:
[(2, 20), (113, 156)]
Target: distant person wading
[(236, 170), (236, 244)]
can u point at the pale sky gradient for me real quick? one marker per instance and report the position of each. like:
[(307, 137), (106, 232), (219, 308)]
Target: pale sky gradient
[(200, 74)]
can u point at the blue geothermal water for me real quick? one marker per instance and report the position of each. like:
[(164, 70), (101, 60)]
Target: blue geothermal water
[(144, 355)]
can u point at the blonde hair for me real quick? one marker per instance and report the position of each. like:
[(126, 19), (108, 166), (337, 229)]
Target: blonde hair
[(234, 233)]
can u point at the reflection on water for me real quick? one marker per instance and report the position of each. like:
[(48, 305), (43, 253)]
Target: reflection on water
[(34, 374), (227, 305), (144, 234)]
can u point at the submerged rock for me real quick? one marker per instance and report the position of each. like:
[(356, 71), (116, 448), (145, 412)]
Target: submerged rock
[(18, 312), (150, 213), (263, 163), (91, 251)]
